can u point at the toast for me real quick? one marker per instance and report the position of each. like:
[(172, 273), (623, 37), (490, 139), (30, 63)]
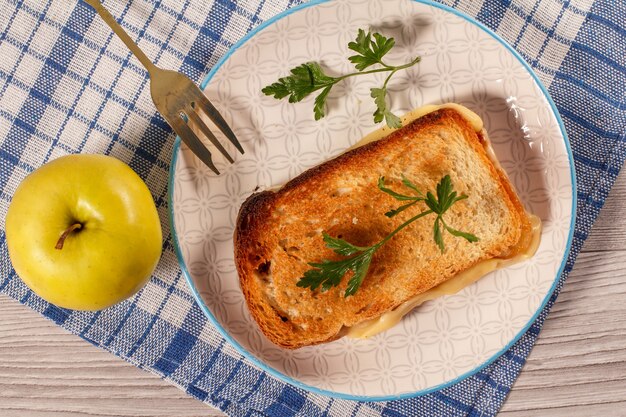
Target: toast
[(279, 232)]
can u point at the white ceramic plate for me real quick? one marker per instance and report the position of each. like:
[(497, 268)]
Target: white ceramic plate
[(446, 339)]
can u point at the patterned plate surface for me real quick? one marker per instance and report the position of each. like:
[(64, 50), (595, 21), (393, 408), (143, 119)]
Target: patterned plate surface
[(445, 339)]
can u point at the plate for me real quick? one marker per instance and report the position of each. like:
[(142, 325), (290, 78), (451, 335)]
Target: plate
[(444, 340)]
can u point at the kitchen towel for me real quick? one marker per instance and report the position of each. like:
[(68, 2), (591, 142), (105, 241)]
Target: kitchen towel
[(67, 85)]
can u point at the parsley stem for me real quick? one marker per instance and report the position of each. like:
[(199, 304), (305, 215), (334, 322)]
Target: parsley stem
[(388, 78), (386, 68), (402, 226)]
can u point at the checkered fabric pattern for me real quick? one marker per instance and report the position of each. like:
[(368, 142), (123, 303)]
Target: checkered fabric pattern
[(67, 85)]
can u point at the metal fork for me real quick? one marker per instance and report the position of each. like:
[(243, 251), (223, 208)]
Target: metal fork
[(178, 99)]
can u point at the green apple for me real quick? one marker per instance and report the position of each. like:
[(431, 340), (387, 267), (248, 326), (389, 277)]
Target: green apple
[(83, 232)]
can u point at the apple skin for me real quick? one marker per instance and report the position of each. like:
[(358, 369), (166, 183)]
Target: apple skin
[(110, 257)]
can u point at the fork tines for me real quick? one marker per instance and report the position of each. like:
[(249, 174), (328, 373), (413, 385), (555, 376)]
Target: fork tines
[(201, 103), (219, 121)]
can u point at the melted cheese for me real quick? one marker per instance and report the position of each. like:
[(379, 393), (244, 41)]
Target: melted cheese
[(526, 248)]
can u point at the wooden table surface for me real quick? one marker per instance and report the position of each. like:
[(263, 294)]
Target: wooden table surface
[(577, 368)]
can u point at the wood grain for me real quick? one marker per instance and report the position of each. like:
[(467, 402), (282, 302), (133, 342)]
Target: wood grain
[(577, 368)]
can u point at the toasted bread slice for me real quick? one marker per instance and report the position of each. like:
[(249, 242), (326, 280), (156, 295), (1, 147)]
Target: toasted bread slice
[(279, 233)]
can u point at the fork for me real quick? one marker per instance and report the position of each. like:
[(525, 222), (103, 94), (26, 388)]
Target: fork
[(178, 99)]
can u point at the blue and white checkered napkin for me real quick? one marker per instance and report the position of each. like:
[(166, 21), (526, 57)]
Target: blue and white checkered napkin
[(67, 85)]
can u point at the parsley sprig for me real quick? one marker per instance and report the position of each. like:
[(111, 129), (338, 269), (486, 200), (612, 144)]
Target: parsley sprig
[(327, 274), (310, 77)]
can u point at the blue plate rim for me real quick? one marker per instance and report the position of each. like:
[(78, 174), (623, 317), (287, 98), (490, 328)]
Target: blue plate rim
[(253, 359)]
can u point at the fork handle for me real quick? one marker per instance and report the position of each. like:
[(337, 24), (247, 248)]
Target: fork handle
[(121, 33)]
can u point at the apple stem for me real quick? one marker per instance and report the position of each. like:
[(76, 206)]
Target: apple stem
[(66, 233)]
